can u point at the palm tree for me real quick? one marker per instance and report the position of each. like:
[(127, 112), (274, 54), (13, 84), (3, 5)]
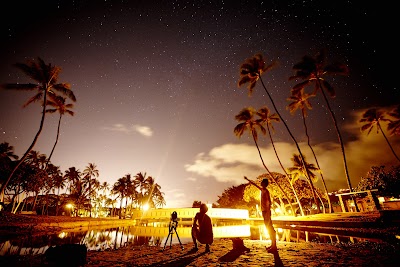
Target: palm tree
[(373, 117), (250, 72), (72, 175), (394, 125), (140, 183), (298, 169), (58, 104), (313, 70), (153, 193), (267, 118), (246, 117), (119, 187), (300, 101), (7, 151), (6, 157), (45, 77), (89, 172)]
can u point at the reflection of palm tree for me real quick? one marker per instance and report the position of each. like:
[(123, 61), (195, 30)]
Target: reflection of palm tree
[(300, 101), (58, 104), (372, 117), (250, 72), (46, 77), (246, 117), (312, 70), (298, 169), (267, 118), (394, 125)]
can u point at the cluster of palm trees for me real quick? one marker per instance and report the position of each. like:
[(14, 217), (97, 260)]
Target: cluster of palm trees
[(48, 92), (34, 172), (312, 71), (38, 176)]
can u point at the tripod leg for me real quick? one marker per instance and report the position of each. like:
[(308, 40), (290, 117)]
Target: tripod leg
[(169, 234), (178, 239)]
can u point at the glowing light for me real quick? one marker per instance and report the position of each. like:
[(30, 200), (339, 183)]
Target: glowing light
[(69, 206), (146, 207)]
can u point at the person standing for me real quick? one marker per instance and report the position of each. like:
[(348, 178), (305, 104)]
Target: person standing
[(266, 212), (202, 229)]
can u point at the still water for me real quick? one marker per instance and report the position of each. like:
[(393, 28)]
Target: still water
[(160, 235)]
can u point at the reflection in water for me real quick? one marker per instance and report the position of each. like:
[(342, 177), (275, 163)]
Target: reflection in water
[(155, 235)]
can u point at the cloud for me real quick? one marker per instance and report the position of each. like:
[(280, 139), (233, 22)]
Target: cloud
[(143, 130), (230, 162)]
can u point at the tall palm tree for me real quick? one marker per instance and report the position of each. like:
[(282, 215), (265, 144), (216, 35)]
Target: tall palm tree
[(267, 118), (298, 169), (140, 184), (90, 174), (72, 175), (300, 101), (312, 70), (250, 72), (119, 187), (373, 117), (153, 193), (58, 104), (46, 82), (394, 125), (247, 122)]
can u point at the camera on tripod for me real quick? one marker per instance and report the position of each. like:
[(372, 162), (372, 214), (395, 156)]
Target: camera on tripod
[(174, 216), (174, 220), (172, 228)]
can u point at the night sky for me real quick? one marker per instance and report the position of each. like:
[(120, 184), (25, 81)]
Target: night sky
[(156, 86)]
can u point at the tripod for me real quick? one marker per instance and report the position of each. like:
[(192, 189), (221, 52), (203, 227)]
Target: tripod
[(172, 228)]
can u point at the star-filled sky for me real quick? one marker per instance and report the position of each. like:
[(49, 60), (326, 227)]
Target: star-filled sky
[(157, 93)]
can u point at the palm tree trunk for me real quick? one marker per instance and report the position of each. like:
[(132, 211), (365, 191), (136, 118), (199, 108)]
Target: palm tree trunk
[(273, 178), (291, 135), (4, 185), (54, 146), (391, 148), (346, 171), (280, 163), (316, 161)]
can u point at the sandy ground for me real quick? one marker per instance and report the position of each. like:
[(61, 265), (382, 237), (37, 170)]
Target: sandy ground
[(222, 252)]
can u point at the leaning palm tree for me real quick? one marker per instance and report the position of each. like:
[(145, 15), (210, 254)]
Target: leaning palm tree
[(247, 122), (300, 101), (250, 72), (58, 104), (298, 169), (394, 124), (46, 82), (313, 70), (267, 118), (373, 117)]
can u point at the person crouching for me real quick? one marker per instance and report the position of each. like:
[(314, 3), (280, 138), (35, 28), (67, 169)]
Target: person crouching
[(202, 229)]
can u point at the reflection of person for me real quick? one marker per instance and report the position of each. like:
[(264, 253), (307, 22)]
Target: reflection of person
[(202, 230), (266, 211)]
